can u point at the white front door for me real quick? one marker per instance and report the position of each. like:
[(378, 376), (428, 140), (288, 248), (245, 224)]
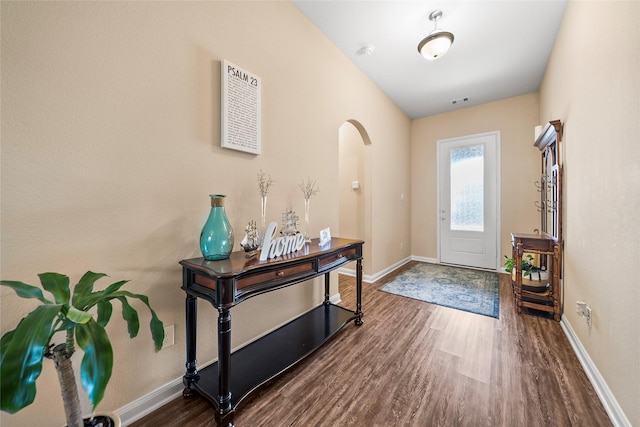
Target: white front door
[(468, 200)]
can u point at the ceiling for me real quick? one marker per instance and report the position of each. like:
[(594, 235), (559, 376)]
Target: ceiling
[(501, 48)]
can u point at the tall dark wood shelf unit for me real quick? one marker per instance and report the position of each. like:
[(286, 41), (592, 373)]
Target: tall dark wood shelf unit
[(548, 244), (226, 283)]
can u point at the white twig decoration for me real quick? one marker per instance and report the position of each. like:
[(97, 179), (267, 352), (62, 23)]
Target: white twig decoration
[(264, 183), (308, 188)]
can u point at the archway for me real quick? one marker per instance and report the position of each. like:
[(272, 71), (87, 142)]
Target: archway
[(355, 186)]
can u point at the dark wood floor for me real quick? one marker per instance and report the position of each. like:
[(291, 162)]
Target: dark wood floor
[(417, 364)]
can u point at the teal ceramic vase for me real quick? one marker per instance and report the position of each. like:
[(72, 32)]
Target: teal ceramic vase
[(216, 239)]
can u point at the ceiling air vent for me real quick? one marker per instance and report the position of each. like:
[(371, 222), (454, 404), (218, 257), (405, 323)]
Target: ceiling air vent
[(460, 101)]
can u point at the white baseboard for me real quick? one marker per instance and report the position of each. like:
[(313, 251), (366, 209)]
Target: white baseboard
[(378, 275), (424, 259), (335, 299), (348, 272), (615, 412), (146, 404)]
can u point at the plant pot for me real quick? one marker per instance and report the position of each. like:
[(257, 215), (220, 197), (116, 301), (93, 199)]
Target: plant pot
[(539, 276), (539, 283), (103, 420)]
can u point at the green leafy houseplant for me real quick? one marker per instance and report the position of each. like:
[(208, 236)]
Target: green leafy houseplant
[(23, 349), (527, 265)]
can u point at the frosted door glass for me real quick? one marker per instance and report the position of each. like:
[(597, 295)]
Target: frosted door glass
[(467, 188)]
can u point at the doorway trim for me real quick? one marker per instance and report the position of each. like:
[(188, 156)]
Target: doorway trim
[(498, 193), (365, 188)]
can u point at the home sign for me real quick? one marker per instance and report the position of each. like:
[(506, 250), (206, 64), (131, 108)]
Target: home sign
[(275, 247)]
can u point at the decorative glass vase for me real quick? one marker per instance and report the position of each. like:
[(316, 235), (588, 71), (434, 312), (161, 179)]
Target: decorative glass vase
[(307, 238), (263, 211), (216, 239)]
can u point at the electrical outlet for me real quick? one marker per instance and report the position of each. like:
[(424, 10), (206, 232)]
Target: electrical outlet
[(169, 336), (584, 310)]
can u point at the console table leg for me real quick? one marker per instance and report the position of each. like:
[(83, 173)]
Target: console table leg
[(359, 313), (224, 364), (191, 321), (327, 283), (225, 420)]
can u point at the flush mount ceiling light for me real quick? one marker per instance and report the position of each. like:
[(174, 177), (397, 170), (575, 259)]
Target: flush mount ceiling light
[(438, 42), (366, 50)]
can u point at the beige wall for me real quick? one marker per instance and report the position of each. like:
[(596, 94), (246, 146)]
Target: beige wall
[(110, 147), (592, 84), (515, 118), (391, 185)]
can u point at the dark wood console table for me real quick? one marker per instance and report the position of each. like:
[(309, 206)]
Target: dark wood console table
[(228, 282)]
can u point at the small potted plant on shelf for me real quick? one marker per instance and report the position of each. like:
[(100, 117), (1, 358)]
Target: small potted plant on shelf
[(530, 272), (79, 318), (527, 265)]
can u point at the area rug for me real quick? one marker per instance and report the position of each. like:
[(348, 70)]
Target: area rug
[(460, 288)]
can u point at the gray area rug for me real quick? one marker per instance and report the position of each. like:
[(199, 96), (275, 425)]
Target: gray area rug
[(460, 288)]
